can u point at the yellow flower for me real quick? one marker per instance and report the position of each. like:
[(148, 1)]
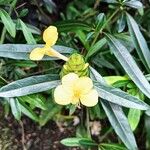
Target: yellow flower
[(75, 90), (50, 37)]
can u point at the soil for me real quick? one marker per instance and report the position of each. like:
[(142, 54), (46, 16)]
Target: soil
[(34, 137)]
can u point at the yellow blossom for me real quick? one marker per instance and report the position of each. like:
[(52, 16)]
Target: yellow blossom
[(75, 90), (50, 37)]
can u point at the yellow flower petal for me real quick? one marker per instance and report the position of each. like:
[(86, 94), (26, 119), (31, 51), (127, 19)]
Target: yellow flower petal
[(83, 85), (75, 100), (61, 96), (37, 54), (69, 80), (50, 35), (90, 99), (54, 53)]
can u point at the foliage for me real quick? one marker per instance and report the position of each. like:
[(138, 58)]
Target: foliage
[(113, 37)]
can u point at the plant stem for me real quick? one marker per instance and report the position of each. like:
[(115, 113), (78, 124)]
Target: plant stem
[(88, 123), (105, 135), (104, 25), (13, 4)]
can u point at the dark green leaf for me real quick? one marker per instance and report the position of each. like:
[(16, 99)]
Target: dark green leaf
[(134, 4), (129, 65), (25, 109), (119, 97), (96, 47), (49, 113), (15, 107), (72, 25), (8, 22), (29, 85), (27, 33), (120, 124), (121, 23), (23, 12), (22, 51), (139, 41), (111, 146), (116, 116), (34, 100), (101, 18)]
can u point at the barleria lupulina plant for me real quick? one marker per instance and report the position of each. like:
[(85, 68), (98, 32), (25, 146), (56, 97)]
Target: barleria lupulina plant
[(76, 86)]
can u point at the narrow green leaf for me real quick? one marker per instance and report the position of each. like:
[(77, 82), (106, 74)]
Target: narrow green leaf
[(72, 142), (134, 115), (34, 100), (116, 116), (49, 113), (134, 118), (22, 51), (8, 22), (72, 25), (101, 62), (139, 41), (76, 141), (96, 76), (112, 146), (121, 23), (100, 20), (119, 97), (27, 33), (129, 65), (113, 79), (120, 124), (25, 109), (125, 40), (96, 47), (134, 4), (15, 108), (29, 85)]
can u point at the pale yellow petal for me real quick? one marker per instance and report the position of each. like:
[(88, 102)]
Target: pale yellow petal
[(75, 100), (37, 54), (61, 96), (69, 80), (53, 53), (50, 35), (90, 99), (83, 85)]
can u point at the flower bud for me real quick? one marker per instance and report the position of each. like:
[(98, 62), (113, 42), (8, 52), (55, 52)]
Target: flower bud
[(75, 64)]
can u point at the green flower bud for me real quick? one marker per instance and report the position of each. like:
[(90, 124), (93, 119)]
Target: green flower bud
[(75, 64)]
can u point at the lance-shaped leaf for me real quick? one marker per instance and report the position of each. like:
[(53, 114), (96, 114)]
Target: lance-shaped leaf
[(120, 124), (139, 41), (8, 22), (116, 116), (129, 64), (27, 33), (22, 51), (72, 25), (134, 4), (94, 49), (15, 108), (119, 97), (29, 85)]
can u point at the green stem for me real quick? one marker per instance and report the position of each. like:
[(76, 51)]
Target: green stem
[(13, 4), (106, 134), (104, 25), (88, 123)]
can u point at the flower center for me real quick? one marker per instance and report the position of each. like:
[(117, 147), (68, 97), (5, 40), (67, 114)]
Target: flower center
[(77, 94)]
